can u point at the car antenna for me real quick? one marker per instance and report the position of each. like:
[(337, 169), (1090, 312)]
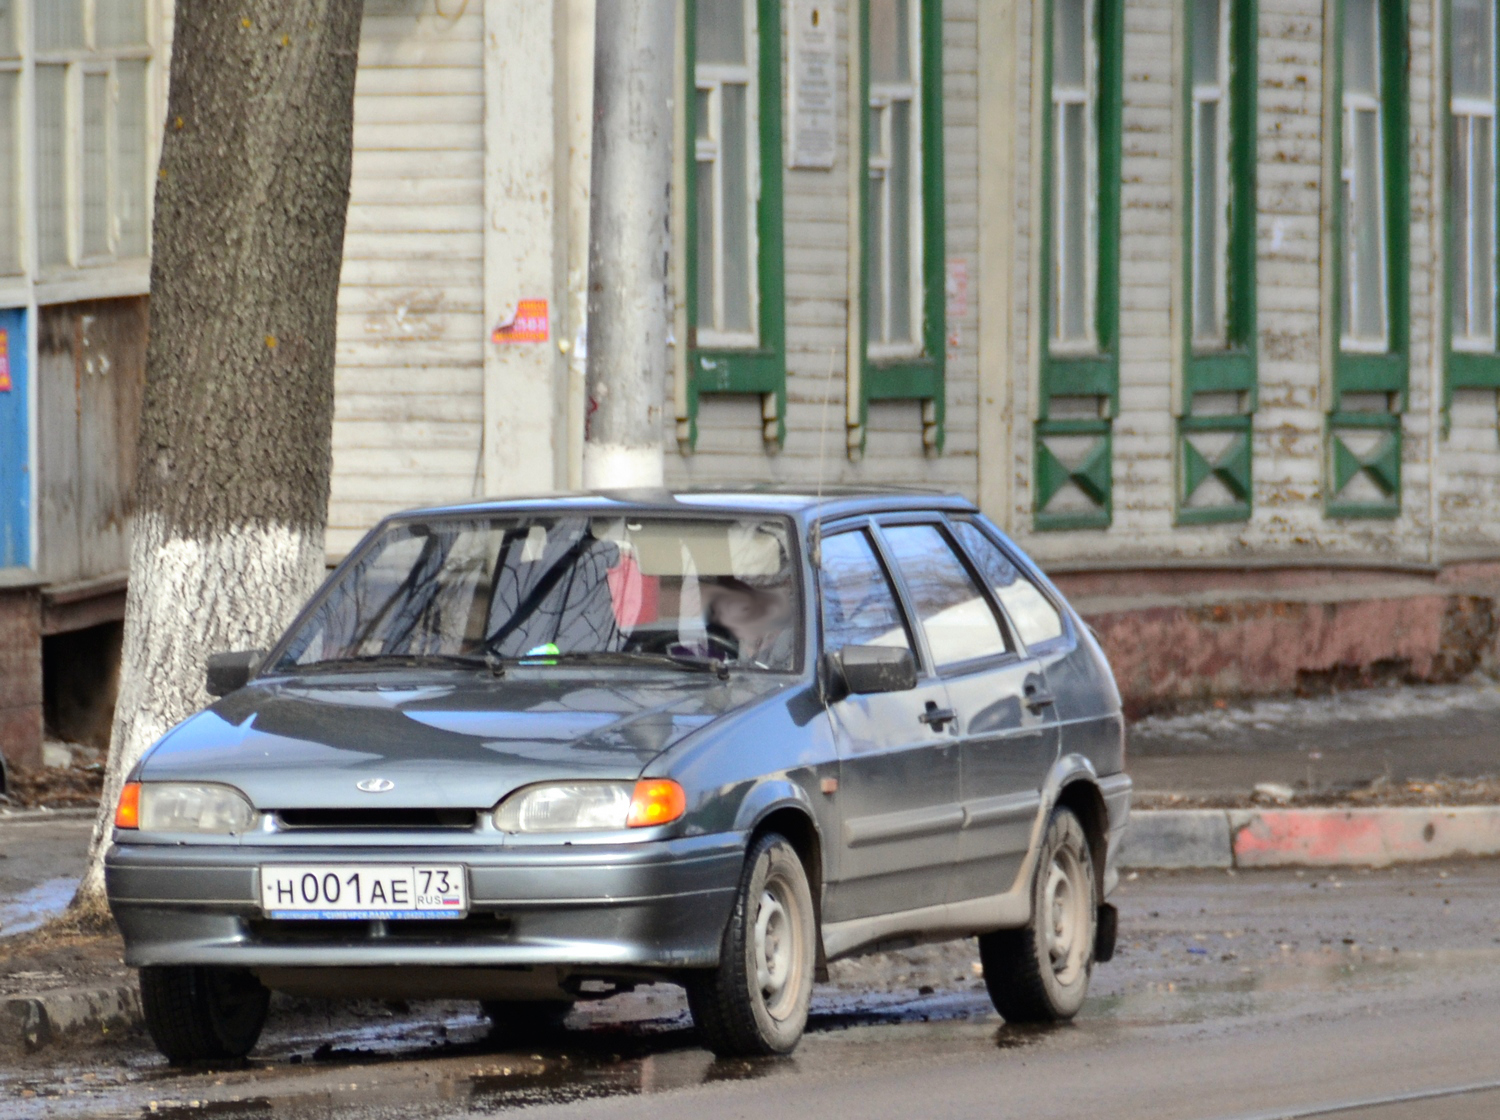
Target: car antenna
[(817, 529)]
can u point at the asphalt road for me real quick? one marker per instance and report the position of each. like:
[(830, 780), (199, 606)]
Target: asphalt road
[(41, 859), (1264, 994)]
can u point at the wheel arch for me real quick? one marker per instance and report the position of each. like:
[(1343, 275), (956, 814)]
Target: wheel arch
[(783, 808), (1080, 794)]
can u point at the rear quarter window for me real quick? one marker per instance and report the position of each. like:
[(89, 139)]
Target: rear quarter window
[(1036, 620)]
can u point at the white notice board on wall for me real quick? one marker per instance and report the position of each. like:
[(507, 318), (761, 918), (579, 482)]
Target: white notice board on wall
[(813, 115)]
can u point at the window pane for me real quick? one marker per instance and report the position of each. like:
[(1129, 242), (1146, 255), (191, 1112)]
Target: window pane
[(59, 24), (954, 613), (1361, 54), (707, 282), (132, 175), (120, 23), (1206, 207), (10, 45), (1483, 325), (738, 212), (1206, 30), (1034, 617), (890, 41), (876, 228), (901, 222), (1069, 43), (1473, 49), (1463, 223), (721, 31), (10, 217), (1365, 234), (52, 167), (859, 608), (95, 164), (1071, 232)]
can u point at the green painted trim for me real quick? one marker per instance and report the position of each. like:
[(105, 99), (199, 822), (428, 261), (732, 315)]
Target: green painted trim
[(1092, 374), (922, 378), (1388, 372), (1463, 369), (1235, 475), (1049, 475), (763, 369), (1337, 461), (1232, 369)]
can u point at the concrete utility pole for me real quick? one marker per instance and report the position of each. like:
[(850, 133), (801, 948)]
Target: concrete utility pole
[(634, 55)]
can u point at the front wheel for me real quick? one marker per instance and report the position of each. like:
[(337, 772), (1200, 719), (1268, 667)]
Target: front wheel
[(201, 1014), (1040, 972), (756, 1001)]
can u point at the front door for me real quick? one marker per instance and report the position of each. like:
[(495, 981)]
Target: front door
[(898, 758), (1008, 727)]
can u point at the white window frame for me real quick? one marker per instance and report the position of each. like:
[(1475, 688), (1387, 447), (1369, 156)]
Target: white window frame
[(91, 59), (1353, 105), (711, 78), (1212, 97), (1088, 96), (1465, 111), (883, 95)]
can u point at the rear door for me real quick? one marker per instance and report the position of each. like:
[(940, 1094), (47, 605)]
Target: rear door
[(1007, 724), (898, 764)]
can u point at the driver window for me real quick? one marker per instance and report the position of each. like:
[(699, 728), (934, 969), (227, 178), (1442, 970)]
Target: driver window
[(859, 607), (955, 615)]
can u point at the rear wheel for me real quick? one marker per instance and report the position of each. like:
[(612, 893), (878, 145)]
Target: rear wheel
[(1040, 972), (756, 1001), (199, 1014), (523, 1022)]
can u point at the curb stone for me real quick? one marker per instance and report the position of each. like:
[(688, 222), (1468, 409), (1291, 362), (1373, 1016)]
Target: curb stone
[(1177, 839), (35, 1022)]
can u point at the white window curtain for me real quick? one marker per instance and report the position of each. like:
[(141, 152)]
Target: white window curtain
[(1075, 174), (1210, 172), (1365, 314), (728, 172), (893, 241), (1472, 179)]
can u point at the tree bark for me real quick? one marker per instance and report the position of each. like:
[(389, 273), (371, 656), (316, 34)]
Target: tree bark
[(631, 175), (231, 494)]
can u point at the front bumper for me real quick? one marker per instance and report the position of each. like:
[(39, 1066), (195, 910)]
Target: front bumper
[(655, 905)]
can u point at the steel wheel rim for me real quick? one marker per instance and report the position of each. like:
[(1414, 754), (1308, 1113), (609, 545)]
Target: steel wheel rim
[(1064, 917), (777, 949)]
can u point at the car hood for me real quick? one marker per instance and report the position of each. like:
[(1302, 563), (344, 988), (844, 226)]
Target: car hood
[(444, 741)]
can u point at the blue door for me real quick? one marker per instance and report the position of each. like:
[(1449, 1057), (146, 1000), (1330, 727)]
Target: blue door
[(15, 468)]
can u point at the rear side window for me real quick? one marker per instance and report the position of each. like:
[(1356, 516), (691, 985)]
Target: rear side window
[(859, 607), (1034, 616), (957, 618)]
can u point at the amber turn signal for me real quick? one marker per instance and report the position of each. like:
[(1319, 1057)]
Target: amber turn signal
[(128, 811), (656, 801)]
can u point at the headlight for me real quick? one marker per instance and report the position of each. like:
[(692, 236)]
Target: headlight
[(180, 807), (591, 806)]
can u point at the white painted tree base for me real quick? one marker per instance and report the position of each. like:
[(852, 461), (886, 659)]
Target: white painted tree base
[(614, 466)]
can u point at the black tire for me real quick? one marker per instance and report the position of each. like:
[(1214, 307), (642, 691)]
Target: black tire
[(517, 1022), (1040, 972), (755, 1003), (197, 1014)]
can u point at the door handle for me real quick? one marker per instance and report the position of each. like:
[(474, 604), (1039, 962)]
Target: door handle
[(1038, 698), (934, 717)]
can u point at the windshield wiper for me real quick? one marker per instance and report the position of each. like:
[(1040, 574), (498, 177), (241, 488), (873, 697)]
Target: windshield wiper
[(411, 660), (687, 662)]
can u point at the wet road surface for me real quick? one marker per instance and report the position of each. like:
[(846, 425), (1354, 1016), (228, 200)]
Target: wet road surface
[(42, 856), (1256, 995)]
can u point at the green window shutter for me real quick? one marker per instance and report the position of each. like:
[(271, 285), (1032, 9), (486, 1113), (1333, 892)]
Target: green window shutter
[(759, 368), (1371, 437), (918, 376), (1219, 386), (1073, 453)]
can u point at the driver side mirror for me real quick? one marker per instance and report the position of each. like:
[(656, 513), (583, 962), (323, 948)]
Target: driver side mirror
[(230, 672), (866, 669)]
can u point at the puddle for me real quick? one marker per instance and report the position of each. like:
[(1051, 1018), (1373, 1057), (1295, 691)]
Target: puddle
[(36, 907)]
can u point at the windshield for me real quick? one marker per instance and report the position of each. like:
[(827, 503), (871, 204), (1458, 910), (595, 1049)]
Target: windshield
[(547, 586)]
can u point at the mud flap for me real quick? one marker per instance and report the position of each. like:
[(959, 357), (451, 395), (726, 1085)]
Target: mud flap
[(1106, 929)]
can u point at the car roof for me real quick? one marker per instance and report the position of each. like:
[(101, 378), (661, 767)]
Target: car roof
[(804, 503)]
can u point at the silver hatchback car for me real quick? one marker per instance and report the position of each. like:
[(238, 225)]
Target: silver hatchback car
[(531, 752)]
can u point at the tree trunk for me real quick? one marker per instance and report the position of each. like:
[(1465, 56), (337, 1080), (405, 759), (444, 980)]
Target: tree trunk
[(231, 494), (634, 51)]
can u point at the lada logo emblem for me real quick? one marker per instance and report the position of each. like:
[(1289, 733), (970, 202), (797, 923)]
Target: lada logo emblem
[(375, 785)]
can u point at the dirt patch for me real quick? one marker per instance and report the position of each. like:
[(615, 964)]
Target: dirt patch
[(57, 787), (62, 954), (1380, 793)]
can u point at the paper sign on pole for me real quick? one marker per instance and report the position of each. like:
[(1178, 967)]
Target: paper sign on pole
[(5, 385), (528, 324)]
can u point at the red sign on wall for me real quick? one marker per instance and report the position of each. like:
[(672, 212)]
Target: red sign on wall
[(4, 361), (529, 324)]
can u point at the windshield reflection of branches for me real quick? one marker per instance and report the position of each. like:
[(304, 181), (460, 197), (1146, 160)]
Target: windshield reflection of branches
[(562, 597)]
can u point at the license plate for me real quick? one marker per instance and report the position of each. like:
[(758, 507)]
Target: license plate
[(353, 892)]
